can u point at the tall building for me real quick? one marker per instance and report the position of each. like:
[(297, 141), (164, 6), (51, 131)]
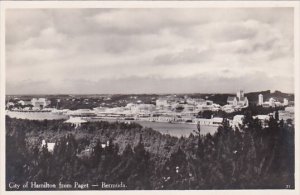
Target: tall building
[(285, 102), (40, 102), (232, 101), (272, 102), (239, 100), (240, 94), (260, 99)]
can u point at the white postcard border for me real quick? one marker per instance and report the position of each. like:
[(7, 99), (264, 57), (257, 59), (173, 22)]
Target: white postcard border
[(151, 4)]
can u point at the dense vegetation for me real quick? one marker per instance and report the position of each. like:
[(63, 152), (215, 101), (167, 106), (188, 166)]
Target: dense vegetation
[(74, 102), (250, 158)]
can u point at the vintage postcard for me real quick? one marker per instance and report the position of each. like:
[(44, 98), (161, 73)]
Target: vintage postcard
[(136, 97)]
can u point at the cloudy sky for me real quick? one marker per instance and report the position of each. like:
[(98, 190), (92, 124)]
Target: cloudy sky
[(204, 50)]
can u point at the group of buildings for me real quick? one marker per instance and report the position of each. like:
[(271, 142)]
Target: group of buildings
[(185, 105), (166, 109), (171, 109), (272, 102), (237, 102), (33, 104)]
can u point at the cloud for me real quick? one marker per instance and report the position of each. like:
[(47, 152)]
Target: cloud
[(111, 49), (199, 83), (24, 24), (190, 55)]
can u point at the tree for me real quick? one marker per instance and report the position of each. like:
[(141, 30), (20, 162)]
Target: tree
[(205, 114), (199, 144), (276, 115), (175, 173)]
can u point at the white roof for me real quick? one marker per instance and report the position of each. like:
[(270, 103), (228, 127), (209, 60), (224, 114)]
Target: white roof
[(75, 120), (290, 109), (227, 106), (262, 117), (50, 146), (80, 111), (238, 116), (218, 119)]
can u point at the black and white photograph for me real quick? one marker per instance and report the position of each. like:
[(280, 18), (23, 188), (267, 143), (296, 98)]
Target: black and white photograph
[(149, 98)]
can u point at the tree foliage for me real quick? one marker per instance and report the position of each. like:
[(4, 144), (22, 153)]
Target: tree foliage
[(252, 157)]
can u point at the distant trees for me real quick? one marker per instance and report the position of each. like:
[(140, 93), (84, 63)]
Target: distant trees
[(179, 108), (205, 114)]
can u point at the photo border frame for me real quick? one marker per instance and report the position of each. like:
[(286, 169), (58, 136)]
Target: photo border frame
[(4, 5)]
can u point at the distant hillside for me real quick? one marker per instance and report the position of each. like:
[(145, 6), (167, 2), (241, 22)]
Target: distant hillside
[(277, 95), (252, 96)]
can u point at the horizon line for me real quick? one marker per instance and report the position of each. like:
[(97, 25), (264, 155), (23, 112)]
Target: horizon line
[(180, 93)]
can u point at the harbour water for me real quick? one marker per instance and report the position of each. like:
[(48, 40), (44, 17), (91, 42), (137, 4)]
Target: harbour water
[(36, 115), (173, 129)]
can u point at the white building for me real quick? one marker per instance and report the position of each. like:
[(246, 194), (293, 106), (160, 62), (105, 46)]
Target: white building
[(263, 119), (189, 108), (243, 101), (260, 99), (40, 103), (76, 121), (162, 118), (24, 102), (140, 108), (285, 102), (272, 102), (232, 101), (277, 104), (162, 103), (287, 114), (9, 104), (266, 104), (290, 109), (169, 102), (228, 108), (50, 146), (196, 101), (240, 94), (240, 100), (237, 120), (217, 121)]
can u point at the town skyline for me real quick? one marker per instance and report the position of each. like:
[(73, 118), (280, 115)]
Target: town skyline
[(117, 51)]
